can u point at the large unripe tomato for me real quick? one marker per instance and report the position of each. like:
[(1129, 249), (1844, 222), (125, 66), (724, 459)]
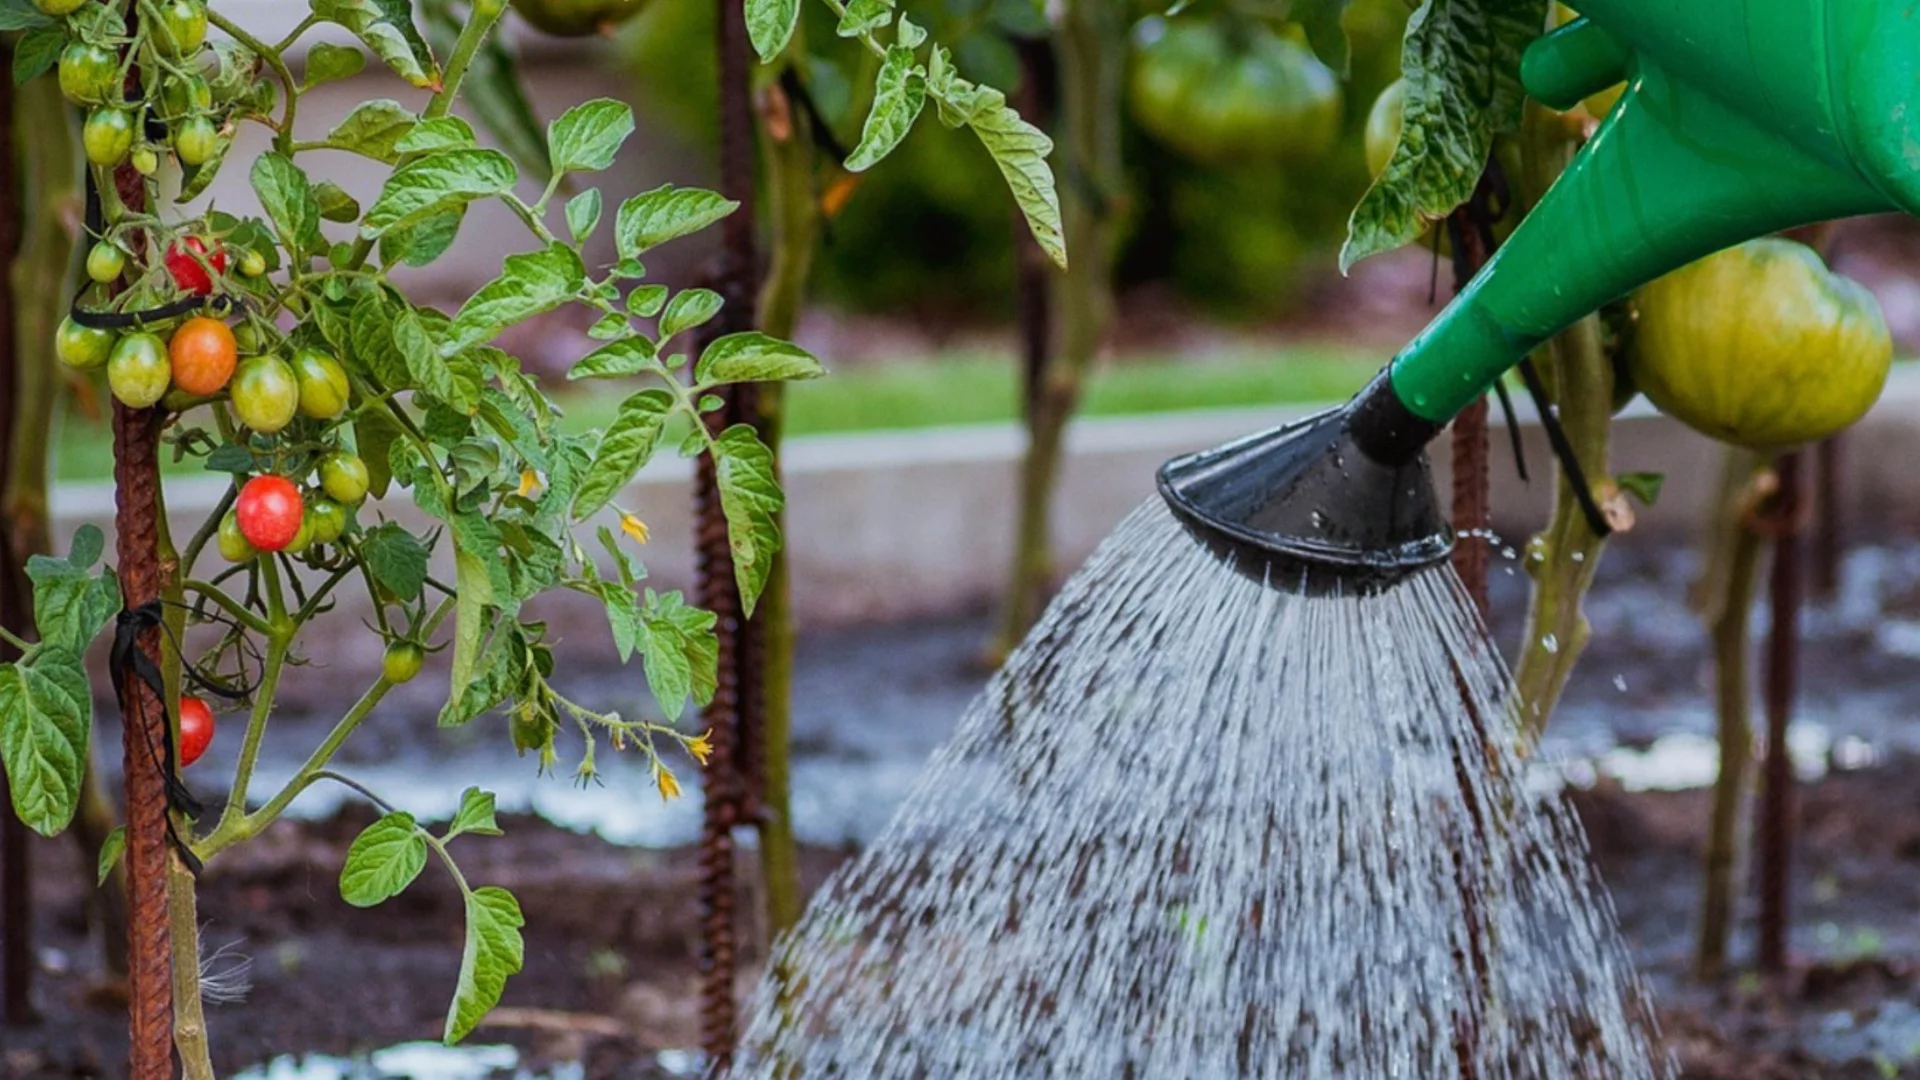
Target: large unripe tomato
[(402, 662), (323, 384), (89, 74), (107, 136), (1228, 94), (184, 95), (344, 476), (181, 28), (203, 355), (137, 370), (576, 18), (265, 394), (234, 545), (196, 730), (1761, 346), (196, 141), (326, 519), (82, 348), (269, 512), (185, 269)]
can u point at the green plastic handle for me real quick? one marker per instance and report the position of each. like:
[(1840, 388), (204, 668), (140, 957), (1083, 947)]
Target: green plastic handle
[(1741, 118)]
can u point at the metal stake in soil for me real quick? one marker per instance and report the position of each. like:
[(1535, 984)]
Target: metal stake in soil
[(1783, 658)]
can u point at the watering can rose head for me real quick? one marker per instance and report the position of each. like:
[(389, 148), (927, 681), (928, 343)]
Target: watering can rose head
[(1761, 346)]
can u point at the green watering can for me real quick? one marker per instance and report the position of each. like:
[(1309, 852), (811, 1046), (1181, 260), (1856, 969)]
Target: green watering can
[(1740, 118)]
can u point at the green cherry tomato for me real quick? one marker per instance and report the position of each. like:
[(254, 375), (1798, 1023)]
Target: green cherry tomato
[(146, 161), (138, 371), (196, 141), (326, 518), (246, 338), (88, 74), (265, 394), (182, 27), (108, 136), (59, 7), (252, 263), (402, 662), (345, 478), (106, 261), (185, 95), (82, 348), (302, 538), (234, 545), (323, 384)]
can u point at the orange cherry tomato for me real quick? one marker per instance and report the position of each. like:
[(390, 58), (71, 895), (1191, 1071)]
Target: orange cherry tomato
[(203, 353)]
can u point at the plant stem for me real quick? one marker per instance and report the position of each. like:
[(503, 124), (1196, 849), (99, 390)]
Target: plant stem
[(189, 1015), (283, 137), (277, 648), (480, 21)]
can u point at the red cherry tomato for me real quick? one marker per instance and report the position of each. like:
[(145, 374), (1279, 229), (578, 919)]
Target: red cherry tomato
[(196, 729), (269, 511), (188, 275)]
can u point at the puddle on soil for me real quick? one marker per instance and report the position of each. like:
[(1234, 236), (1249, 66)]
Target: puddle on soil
[(433, 1061)]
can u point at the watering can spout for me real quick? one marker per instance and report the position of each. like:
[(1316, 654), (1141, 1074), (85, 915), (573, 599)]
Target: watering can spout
[(1739, 119)]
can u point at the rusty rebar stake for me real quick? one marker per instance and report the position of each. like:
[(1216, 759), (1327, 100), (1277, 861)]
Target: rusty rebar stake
[(1468, 228), (1775, 826)]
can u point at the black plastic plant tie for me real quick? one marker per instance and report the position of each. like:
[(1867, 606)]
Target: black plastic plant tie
[(823, 136), (127, 658), (1563, 450), (221, 304), (1513, 430)]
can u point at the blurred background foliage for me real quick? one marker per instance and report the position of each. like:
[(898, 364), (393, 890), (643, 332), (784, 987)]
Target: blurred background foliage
[(932, 234)]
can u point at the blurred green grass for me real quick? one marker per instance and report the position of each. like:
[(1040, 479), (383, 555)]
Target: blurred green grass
[(951, 388)]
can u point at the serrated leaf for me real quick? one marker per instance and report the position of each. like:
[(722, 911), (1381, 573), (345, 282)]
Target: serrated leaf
[(1461, 62), (688, 309), (496, 673), (628, 356), (396, 558), (770, 25), (435, 183), (334, 202), (864, 17), (681, 652), (71, 602), (624, 450), (529, 283), (425, 364), (899, 93), (586, 137), (495, 95), (754, 357), (666, 213), (22, 15), (110, 851), (327, 62), (751, 499), (608, 327), (647, 300), (371, 328), (475, 815), (383, 860), (494, 951), (372, 129), (230, 458), (439, 133), (583, 214), (37, 51), (1020, 150), (46, 720), (425, 240), (387, 29), (287, 197)]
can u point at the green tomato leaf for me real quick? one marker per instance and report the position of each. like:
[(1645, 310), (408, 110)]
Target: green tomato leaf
[(754, 357), (371, 330), (287, 197), (496, 674), (494, 951), (70, 603), (435, 183), (1017, 147), (383, 860), (22, 15), (647, 300), (1462, 66), (628, 356), (865, 17), (475, 815), (440, 133), (372, 129), (899, 94), (396, 558), (586, 137), (473, 589), (1326, 34), (1644, 486), (425, 240), (386, 27), (583, 214), (327, 62), (751, 499), (46, 720), (425, 364), (770, 25), (334, 202), (666, 213), (529, 284), (689, 308), (37, 51), (682, 655), (909, 35), (110, 851), (624, 450)]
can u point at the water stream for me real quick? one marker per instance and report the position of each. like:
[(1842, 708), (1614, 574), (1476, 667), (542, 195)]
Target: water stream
[(1199, 828)]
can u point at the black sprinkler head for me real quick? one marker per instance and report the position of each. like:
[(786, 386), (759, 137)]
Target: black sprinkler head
[(1341, 502)]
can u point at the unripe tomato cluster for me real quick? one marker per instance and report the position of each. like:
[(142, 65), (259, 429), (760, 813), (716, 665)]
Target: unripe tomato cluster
[(94, 77), (272, 513)]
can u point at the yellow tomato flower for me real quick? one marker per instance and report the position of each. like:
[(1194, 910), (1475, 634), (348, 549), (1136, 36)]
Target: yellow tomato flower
[(529, 482), (669, 785), (701, 746), (634, 527)]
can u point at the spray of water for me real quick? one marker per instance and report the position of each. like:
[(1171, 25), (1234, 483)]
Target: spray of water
[(1200, 828)]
